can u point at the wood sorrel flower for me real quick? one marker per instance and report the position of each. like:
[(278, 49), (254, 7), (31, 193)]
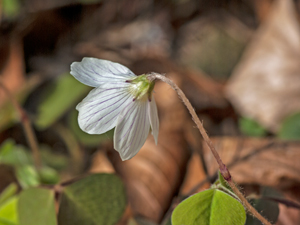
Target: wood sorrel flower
[(120, 99)]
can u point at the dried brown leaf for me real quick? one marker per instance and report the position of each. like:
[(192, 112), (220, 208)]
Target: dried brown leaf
[(12, 74), (266, 83), (101, 164), (265, 162), (194, 176)]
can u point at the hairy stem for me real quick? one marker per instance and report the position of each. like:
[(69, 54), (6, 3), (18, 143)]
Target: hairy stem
[(29, 133), (223, 169)]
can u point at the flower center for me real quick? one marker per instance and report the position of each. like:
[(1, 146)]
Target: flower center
[(141, 88)]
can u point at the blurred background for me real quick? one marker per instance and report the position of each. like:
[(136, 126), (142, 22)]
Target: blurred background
[(236, 60)]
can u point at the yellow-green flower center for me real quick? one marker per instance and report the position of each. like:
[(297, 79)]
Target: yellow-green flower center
[(141, 88)]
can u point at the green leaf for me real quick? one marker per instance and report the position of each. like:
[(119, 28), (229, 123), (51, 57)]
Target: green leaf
[(8, 116), (98, 199), (21, 160), (6, 147), (13, 154), (210, 207), (27, 176), (60, 96), (36, 206), (250, 127), (48, 175), (8, 212), (290, 128), (55, 160), (8, 192), (11, 8)]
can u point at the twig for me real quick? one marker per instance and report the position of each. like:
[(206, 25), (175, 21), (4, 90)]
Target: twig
[(29, 133), (223, 169)]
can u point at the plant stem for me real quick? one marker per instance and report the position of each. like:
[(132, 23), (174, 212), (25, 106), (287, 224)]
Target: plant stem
[(223, 169), (29, 133)]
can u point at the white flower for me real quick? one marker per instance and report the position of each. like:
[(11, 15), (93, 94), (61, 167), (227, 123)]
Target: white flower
[(120, 99)]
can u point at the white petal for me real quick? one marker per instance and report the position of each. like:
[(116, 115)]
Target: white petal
[(95, 72), (99, 111), (132, 129), (153, 117)]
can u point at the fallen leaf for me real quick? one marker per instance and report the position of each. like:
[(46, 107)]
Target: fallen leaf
[(12, 74), (266, 162), (265, 85), (101, 164)]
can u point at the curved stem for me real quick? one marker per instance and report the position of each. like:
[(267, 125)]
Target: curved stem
[(223, 169)]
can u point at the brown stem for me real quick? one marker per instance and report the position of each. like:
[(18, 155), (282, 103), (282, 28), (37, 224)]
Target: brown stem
[(29, 133), (223, 169)]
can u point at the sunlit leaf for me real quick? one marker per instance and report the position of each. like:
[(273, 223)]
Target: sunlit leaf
[(36, 206), (8, 212), (290, 129), (60, 96), (210, 207), (8, 192), (98, 199)]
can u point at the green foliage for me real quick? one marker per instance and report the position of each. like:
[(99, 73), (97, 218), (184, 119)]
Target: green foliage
[(8, 206), (13, 154), (58, 98), (27, 176), (290, 128), (209, 207), (10, 8), (250, 127), (269, 209), (48, 175), (57, 161), (98, 199), (7, 116), (36, 206), (8, 212), (8, 192), (21, 159)]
